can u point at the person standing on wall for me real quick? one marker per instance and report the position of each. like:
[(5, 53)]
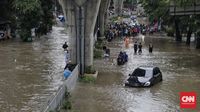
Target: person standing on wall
[(65, 46)]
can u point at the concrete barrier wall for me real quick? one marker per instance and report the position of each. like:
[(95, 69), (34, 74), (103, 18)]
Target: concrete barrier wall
[(68, 86)]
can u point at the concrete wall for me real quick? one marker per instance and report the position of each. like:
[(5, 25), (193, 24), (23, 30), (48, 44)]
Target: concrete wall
[(68, 86)]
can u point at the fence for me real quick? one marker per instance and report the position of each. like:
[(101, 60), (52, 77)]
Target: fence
[(67, 86)]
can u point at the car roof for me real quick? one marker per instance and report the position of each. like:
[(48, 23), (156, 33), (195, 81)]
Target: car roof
[(147, 67), (148, 70)]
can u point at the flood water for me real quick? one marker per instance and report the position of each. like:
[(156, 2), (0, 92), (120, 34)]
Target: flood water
[(179, 64), (30, 72)]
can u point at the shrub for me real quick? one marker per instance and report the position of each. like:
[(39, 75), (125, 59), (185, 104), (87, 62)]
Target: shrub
[(98, 53), (87, 79), (170, 31), (98, 44), (67, 105), (89, 70)]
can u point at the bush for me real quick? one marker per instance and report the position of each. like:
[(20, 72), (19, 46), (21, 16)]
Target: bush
[(170, 31), (99, 44), (114, 19), (25, 35), (87, 79), (98, 53), (89, 70), (67, 105)]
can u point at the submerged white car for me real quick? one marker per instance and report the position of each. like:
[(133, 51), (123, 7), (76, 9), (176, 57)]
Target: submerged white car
[(144, 77)]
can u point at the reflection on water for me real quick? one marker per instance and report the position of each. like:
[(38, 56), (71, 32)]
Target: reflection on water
[(179, 64), (30, 72)]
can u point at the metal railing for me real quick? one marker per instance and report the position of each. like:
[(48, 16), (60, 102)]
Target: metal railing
[(68, 85)]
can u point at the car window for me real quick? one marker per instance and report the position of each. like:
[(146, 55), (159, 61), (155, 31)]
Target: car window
[(139, 72), (156, 71)]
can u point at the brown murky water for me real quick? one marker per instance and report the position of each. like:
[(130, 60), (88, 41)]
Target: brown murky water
[(30, 72), (181, 72)]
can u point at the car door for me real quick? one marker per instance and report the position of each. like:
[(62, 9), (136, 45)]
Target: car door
[(156, 75)]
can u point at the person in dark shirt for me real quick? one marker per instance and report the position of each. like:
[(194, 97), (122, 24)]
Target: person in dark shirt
[(135, 47), (65, 46), (140, 48), (150, 48)]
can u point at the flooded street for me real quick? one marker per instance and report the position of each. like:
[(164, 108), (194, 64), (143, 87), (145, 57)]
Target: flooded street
[(179, 64), (30, 72)]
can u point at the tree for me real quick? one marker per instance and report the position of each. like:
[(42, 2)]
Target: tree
[(28, 16), (160, 9), (46, 16), (33, 14)]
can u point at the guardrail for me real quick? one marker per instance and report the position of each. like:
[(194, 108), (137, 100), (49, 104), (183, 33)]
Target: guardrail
[(67, 86)]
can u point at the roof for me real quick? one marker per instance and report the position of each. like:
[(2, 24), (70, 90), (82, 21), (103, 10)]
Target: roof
[(147, 67)]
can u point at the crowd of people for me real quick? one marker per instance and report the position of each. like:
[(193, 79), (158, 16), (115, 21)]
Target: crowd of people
[(127, 31), (122, 30)]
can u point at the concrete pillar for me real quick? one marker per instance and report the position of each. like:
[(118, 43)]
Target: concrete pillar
[(102, 15), (90, 8), (118, 5), (69, 13)]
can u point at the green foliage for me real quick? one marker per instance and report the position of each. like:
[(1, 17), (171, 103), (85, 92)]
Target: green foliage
[(33, 14), (67, 105), (67, 95), (24, 6), (89, 70), (25, 35), (51, 111), (87, 79), (114, 19), (156, 8), (46, 16), (160, 9), (98, 53), (99, 44), (170, 31), (183, 3), (130, 1)]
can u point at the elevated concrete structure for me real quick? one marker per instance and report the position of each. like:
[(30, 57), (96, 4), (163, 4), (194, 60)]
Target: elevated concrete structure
[(190, 9), (103, 11), (118, 5), (81, 17)]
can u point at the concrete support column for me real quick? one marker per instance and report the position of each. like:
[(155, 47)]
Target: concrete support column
[(92, 9), (81, 27), (102, 13), (118, 5), (69, 13)]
